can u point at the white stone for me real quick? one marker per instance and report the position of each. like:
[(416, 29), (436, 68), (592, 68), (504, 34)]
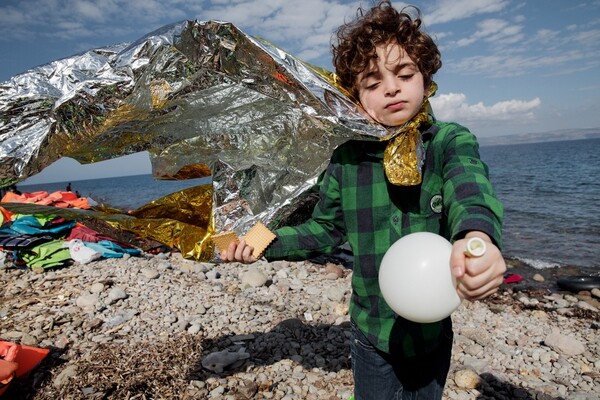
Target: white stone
[(564, 344), (254, 277), (467, 379)]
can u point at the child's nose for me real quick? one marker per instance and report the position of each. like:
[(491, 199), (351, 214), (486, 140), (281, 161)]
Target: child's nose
[(392, 86)]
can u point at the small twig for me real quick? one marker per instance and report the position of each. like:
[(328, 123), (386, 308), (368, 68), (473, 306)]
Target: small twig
[(116, 328), (57, 278), (27, 303)]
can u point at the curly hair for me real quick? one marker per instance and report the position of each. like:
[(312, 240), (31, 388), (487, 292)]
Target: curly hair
[(358, 39)]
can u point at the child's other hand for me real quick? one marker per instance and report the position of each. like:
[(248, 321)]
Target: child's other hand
[(240, 252), (477, 277)]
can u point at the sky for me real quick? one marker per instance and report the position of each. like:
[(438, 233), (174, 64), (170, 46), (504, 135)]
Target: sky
[(509, 66)]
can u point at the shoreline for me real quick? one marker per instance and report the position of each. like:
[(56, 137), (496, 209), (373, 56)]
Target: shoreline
[(550, 275), (141, 326)]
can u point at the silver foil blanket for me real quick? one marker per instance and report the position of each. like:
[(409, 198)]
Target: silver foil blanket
[(202, 98)]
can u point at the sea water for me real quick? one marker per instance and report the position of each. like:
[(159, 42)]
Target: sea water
[(126, 192), (551, 195), (550, 191)]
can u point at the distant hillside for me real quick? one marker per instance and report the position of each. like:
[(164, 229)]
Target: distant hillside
[(552, 136)]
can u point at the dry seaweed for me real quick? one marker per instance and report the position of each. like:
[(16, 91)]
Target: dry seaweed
[(153, 370)]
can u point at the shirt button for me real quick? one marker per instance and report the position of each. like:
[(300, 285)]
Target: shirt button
[(395, 219)]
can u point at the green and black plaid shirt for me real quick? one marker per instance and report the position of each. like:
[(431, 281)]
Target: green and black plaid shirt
[(358, 205)]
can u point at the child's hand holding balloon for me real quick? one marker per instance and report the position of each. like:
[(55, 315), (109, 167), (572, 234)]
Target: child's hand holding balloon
[(478, 273)]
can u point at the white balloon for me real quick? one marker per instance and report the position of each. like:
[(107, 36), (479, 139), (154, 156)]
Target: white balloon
[(416, 280)]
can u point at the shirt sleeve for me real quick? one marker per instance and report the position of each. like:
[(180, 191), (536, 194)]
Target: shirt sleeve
[(320, 234), (469, 197)]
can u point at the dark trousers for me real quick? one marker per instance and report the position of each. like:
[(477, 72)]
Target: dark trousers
[(381, 376)]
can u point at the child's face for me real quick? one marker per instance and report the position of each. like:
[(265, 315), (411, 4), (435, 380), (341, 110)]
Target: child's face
[(391, 88)]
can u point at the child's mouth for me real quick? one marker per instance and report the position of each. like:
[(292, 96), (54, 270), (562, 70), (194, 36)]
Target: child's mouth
[(396, 106)]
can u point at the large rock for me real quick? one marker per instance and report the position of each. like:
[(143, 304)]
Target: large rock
[(564, 344), (467, 379), (254, 277)]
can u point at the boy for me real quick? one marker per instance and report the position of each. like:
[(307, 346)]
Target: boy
[(373, 193)]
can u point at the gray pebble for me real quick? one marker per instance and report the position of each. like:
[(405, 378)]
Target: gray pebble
[(150, 273), (253, 277), (116, 294)]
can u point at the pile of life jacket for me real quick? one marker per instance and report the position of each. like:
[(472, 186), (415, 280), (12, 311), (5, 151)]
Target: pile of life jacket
[(57, 199), (47, 241)]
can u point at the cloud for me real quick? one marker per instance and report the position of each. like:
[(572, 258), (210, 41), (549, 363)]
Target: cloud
[(453, 10), (496, 47), (510, 64), (302, 27), (55, 18), (591, 37), (497, 32), (455, 107)]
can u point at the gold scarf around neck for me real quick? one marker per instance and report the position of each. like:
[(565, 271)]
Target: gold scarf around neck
[(404, 154)]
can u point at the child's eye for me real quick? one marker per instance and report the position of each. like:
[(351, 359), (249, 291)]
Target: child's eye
[(406, 77)]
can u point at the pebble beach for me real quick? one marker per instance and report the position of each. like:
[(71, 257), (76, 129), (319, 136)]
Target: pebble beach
[(163, 327)]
